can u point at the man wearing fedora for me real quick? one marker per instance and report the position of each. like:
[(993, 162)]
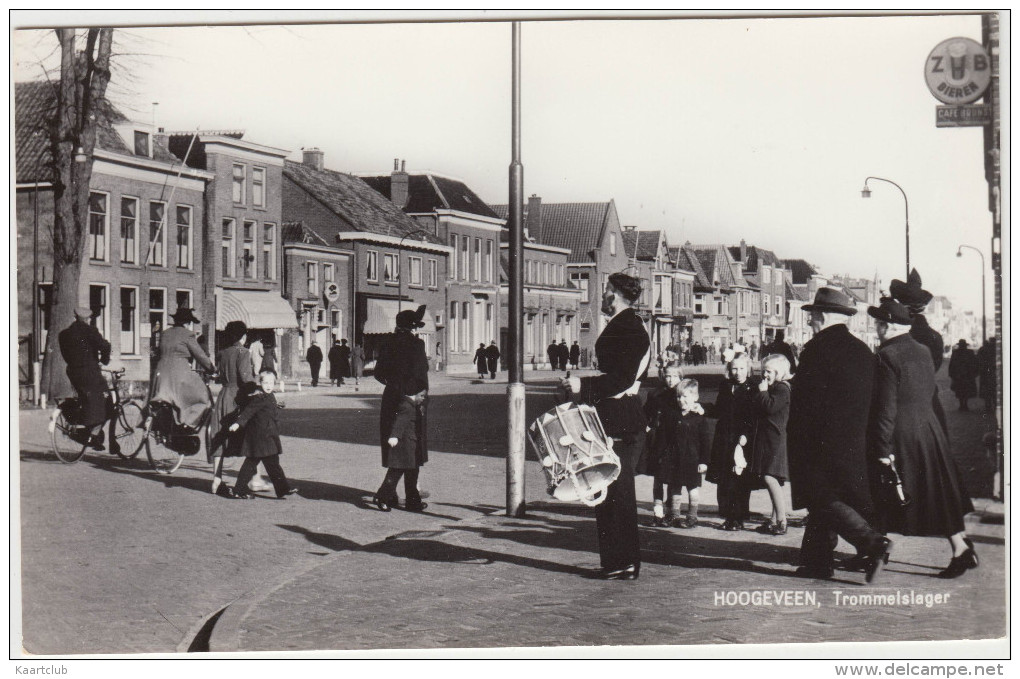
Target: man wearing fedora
[(827, 440), (83, 349)]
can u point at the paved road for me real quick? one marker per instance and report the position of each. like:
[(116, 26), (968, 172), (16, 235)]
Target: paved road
[(117, 559)]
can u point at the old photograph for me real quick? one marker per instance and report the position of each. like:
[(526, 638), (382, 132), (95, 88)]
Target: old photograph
[(392, 334)]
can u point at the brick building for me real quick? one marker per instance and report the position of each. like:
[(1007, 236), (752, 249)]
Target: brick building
[(396, 264), (684, 277), (765, 271), (144, 252), (448, 209)]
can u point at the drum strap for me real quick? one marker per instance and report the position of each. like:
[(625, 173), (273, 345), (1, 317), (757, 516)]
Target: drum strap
[(633, 389)]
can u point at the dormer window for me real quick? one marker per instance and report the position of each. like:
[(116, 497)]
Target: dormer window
[(143, 144)]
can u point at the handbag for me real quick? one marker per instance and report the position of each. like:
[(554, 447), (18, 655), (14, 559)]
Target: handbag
[(891, 486)]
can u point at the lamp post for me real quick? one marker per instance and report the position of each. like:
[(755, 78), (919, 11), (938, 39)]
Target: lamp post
[(984, 325), (866, 193), (400, 266)]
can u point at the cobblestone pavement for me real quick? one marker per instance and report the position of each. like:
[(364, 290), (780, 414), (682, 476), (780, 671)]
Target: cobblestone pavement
[(118, 559)]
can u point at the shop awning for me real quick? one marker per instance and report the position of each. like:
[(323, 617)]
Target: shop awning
[(382, 316), (256, 308)]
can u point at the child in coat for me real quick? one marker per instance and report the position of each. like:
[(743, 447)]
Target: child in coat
[(680, 448), (260, 440), (768, 456), (733, 441)]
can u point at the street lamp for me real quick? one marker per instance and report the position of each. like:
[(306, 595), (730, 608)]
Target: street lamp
[(400, 265), (984, 325), (866, 193)]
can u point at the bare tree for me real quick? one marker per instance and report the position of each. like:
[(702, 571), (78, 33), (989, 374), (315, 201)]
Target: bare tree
[(84, 77)]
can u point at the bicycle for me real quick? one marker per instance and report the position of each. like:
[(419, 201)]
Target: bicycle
[(167, 441), (71, 440)]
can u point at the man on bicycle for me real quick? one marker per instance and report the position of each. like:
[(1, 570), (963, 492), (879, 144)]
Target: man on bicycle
[(83, 349)]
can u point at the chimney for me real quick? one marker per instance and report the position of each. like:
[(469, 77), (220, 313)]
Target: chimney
[(630, 227), (399, 184), (743, 251), (313, 157), (533, 217)]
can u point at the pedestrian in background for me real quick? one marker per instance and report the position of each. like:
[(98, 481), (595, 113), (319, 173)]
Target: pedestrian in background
[(768, 455), (238, 382), (260, 440), (334, 356), (553, 353), (358, 361), (314, 358), (564, 354), (257, 353), (481, 361), (963, 372), (575, 355), (492, 358)]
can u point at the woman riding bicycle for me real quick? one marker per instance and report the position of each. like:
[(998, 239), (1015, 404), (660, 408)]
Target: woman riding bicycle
[(176, 383)]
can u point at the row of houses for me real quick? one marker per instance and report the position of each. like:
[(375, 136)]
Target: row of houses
[(301, 253)]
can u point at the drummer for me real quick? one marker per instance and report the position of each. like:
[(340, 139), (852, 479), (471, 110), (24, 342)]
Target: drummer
[(623, 353)]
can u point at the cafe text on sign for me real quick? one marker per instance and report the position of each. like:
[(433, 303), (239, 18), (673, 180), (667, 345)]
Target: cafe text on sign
[(958, 71)]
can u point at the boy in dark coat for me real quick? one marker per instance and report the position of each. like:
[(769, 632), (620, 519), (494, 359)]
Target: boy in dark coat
[(260, 440)]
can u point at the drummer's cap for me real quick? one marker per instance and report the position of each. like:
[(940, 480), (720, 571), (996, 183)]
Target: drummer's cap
[(83, 313)]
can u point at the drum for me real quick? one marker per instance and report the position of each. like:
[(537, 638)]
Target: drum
[(575, 453)]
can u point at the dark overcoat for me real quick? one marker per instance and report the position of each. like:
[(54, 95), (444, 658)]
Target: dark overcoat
[(238, 381), (622, 353), (575, 354), (768, 450), (481, 360), (338, 361), (260, 428), (83, 349), (904, 424), (553, 352), (492, 357), (678, 442), (404, 368), (963, 372), (926, 335), (734, 406), (314, 355), (827, 434)]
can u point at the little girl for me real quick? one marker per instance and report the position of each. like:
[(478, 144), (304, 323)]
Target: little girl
[(768, 456), (734, 433), (260, 440), (680, 448)]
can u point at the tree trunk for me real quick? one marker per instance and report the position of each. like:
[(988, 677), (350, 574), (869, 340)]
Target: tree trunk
[(83, 81)]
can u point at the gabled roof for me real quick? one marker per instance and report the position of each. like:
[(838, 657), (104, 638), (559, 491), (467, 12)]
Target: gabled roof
[(688, 259), (578, 227), (352, 200), (796, 292), (716, 258), (35, 104), (802, 271), (642, 245), (754, 256), (297, 232), (428, 192)]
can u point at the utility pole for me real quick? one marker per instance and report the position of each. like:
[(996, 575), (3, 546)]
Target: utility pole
[(515, 389)]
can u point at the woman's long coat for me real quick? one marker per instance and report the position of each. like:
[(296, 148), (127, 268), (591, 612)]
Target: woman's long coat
[(357, 361), (481, 360), (238, 382), (734, 406), (963, 372), (260, 428), (904, 424), (768, 450), (827, 433), (176, 383), (403, 367)]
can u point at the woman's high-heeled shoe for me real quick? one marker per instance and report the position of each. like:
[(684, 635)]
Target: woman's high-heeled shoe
[(779, 529), (958, 565), (972, 557)]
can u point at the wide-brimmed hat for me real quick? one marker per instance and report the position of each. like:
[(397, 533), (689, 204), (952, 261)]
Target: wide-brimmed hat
[(910, 293), (962, 343), (833, 301), (411, 319), (890, 311), (184, 315)]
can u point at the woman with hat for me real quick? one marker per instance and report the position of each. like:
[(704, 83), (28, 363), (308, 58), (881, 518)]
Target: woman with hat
[(404, 368), (176, 383), (906, 433), (963, 372), (238, 381), (915, 299)]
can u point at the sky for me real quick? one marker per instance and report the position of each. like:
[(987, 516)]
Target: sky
[(711, 129)]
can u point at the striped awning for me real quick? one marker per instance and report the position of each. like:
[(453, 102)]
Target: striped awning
[(256, 308)]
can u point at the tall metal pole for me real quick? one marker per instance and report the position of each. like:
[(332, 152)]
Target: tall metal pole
[(906, 207), (515, 390)]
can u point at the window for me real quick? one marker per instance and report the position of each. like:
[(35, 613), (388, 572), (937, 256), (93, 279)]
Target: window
[(157, 308), (478, 259), (227, 250), (718, 306), (465, 326), (97, 303), (489, 327), (372, 266), (142, 144), (453, 261), (433, 273), (699, 304), (779, 310), (465, 248), (99, 222), (488, 261), (415, 265), (765, 305), (129, 230), (269, 251), (184, 236), (453, 326), (580, 281), (238, 184), (766, 274), (312, 274), (335, 322), (157, 233), (129, 320), (328, 273), (258, 186), (183, 298), (248, 254), (612, 244), (390, 272)]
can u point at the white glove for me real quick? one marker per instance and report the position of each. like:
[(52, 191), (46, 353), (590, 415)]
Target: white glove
[(392, 441), (739, 462), (234, 427), (696, 408)]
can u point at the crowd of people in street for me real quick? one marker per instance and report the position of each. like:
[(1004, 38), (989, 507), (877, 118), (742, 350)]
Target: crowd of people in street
[(559, 355)]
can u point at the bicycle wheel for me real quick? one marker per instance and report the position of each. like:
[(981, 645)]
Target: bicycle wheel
[(68, 450), (130, 430)]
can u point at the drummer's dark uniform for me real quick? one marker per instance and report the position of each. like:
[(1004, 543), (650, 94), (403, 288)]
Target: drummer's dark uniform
[(622, 353), (83, 349)]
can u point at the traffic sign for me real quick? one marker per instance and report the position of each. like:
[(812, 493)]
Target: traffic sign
[(958, 71)]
